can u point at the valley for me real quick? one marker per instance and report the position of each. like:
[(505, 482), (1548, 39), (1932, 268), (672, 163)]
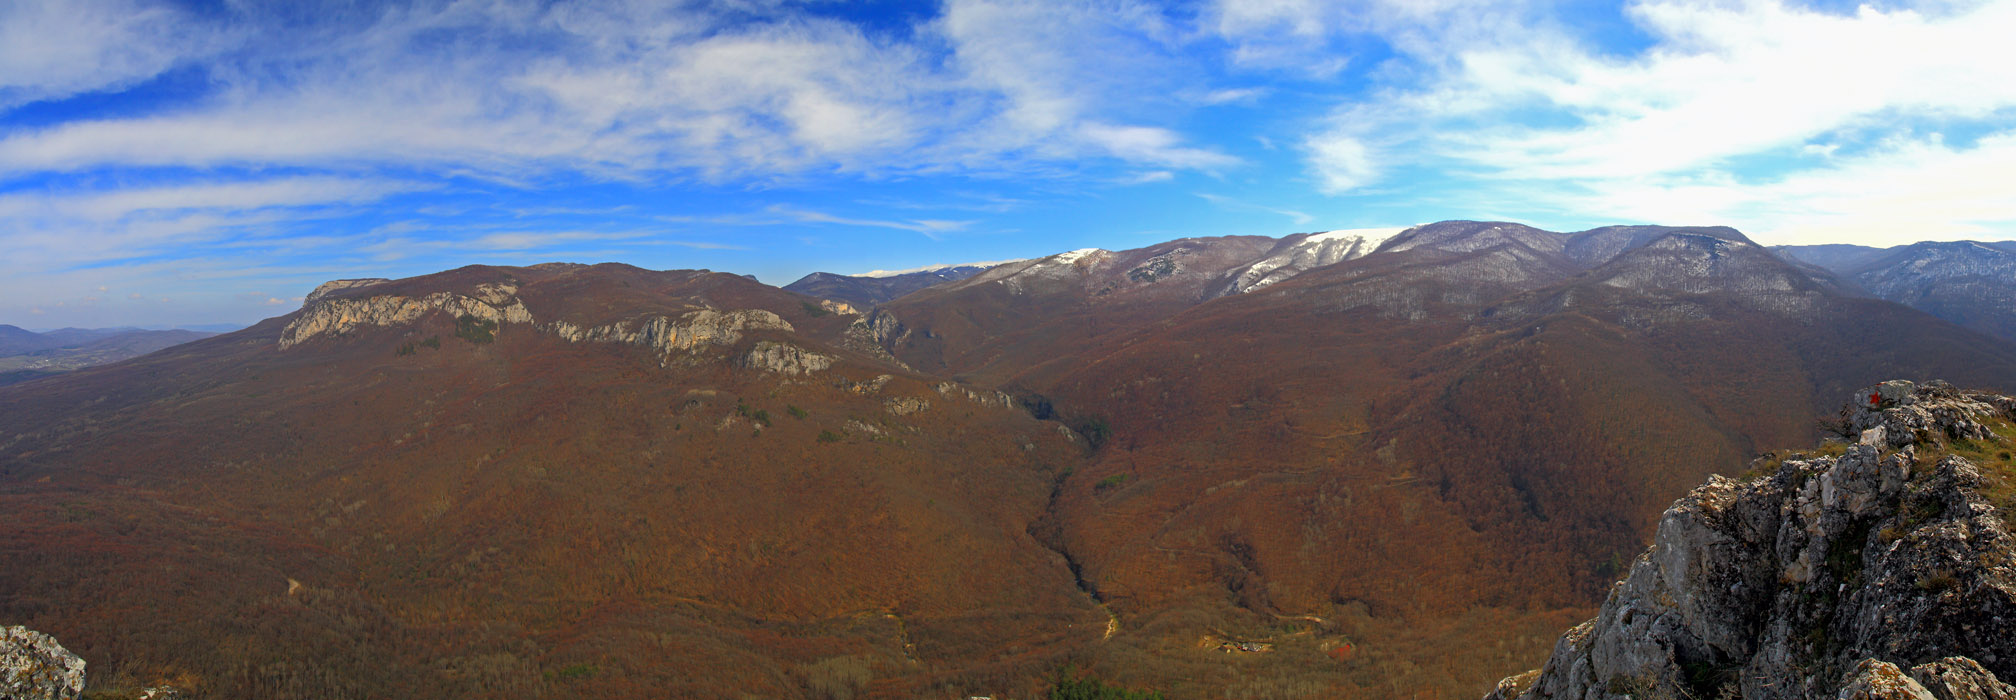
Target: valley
[(1329, 465)]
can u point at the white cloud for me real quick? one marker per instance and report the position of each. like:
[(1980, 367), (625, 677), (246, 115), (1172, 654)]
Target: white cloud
[(637, 90), (1729, 81), (52, 49), (1784, 120), (1340, 161), (1153, 146), (1073, 79), (1905, 191)]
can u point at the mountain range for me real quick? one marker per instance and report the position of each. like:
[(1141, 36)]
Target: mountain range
[(1336, 465), (870, 290), (1970, 283)]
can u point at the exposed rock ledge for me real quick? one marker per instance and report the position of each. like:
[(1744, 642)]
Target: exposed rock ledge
[(499, 303), (1825, 579), (490, 302), (334, 286), (784, 358), (34, 667), (693, 330)]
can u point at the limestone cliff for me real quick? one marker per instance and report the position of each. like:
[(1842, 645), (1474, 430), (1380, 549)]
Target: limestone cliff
[(784, 358), (1882, 568), (671, 337), (496, 303), (334, 286)]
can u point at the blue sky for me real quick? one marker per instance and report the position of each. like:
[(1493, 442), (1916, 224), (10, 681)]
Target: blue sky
[(205, 161)]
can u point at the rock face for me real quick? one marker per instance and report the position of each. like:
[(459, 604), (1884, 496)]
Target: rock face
[(34, 667), (784, 358), (498, 303), (1826, 578), (490, 302), (693, 330)]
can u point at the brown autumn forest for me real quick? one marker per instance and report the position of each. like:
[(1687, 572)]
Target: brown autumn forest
[(1397, 476)]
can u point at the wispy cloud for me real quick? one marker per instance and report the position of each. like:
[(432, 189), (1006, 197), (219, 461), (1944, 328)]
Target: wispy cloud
[(1149, 177), (929, 227), (53, 49), (1224, 96), (60, 228), (1222, 201), (230, 195)]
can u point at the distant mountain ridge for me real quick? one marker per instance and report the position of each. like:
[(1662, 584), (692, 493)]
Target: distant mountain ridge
[(872, 290), (1971, 283), (27, 355)]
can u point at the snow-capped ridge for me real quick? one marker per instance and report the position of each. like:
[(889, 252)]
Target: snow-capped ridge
[(936, 267)]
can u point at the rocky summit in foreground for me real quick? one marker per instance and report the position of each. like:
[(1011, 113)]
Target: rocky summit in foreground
[(34, 667), (1881, 568)]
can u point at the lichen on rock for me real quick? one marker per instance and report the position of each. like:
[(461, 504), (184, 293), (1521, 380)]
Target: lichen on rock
[(34, 667)]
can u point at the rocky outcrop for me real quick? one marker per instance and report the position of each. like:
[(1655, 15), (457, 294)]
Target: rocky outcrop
[(333, 286), (1901, 413), (1824, 578), (882, 327), (784, 358), (1881, 680), (496, 303), (670, 338), (907, 405), (1961, 677), (1952, 678), (995, 399), (34, 667), (874, 335)]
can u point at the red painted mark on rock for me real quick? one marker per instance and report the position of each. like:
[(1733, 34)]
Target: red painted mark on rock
[(1875, 399)]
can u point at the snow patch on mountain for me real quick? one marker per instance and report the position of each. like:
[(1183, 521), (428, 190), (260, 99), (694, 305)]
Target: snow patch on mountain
[(984, 264), (1075, 255), (1298, 254)]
